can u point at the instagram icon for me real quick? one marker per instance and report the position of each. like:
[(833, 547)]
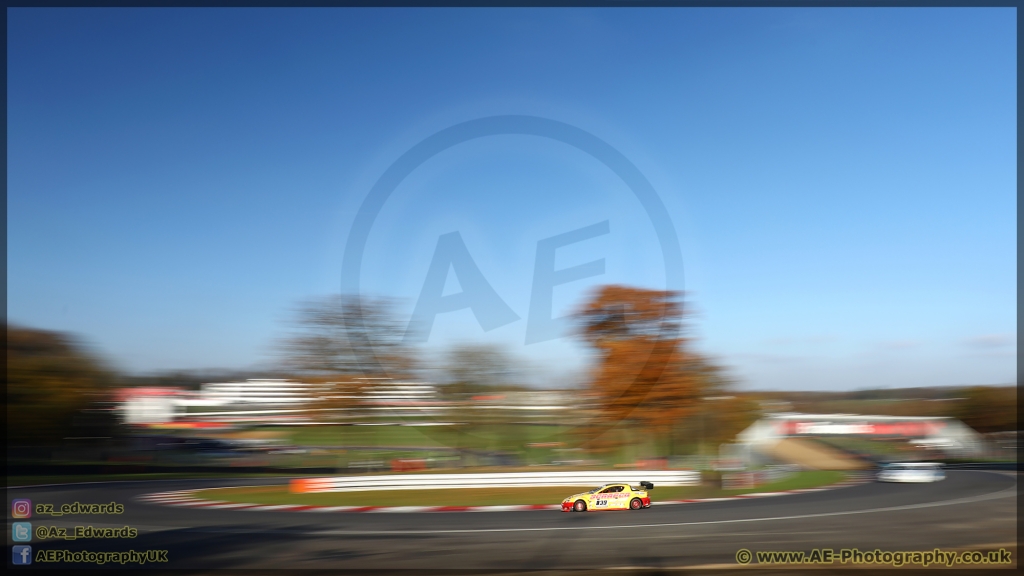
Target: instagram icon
[(21, 508)]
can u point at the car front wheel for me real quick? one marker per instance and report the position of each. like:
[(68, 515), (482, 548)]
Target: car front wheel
[(580, 506)]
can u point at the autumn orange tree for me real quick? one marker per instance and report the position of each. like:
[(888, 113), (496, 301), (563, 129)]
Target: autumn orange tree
[(641, 373), (646, 372)]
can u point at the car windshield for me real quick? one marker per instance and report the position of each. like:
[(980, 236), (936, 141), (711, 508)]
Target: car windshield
[(911, 467)]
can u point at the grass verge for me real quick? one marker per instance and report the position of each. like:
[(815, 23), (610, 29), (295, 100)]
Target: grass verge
[(74, 479), (27, 480), (489, 496)]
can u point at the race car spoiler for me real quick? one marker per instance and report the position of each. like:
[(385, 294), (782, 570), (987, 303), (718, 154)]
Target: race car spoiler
[(646, 485)]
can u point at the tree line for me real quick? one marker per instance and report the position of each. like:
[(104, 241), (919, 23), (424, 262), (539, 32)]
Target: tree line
[(647, 374)]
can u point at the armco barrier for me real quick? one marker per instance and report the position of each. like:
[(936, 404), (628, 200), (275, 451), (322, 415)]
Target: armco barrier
[(495, 480)]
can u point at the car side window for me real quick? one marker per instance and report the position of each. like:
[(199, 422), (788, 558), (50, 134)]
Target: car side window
[(608, 490)]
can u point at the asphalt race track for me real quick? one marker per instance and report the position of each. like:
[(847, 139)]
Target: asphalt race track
[(968, 510)]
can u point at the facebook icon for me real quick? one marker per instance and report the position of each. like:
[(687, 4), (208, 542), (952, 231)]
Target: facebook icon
[(21, 555)]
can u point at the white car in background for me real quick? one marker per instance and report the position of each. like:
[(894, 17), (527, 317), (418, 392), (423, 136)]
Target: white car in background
[(935, 443), (911, 472)]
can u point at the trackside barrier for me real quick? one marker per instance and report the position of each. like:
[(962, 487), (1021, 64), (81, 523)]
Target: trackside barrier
[(509, 480)]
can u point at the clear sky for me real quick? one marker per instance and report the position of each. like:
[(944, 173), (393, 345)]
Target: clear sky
[(842, 181)]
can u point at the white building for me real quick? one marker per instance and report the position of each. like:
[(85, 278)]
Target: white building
[(150, 405), (950, 434), (257, 392)]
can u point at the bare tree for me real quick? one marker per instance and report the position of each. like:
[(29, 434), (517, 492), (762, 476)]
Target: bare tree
[(476, 368), (335, 340), (345, 335)]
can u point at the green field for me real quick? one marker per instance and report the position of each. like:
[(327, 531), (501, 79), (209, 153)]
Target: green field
[(477, 436), (73, 478), (532, 443), (488, 496)]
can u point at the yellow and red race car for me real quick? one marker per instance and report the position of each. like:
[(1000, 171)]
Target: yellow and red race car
[(610, 497)]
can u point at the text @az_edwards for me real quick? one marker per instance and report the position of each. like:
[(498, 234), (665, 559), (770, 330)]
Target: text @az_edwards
[(897, 558), (77, 532)]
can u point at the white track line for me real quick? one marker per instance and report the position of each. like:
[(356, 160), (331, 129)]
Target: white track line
[(505, 508), (335, 508), (277, 506), (398, 509)]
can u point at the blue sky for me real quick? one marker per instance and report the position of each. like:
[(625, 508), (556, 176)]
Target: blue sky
[(842, 181)]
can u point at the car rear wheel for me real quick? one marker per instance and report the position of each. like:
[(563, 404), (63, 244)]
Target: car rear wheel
[(580, 506), (635, 504)]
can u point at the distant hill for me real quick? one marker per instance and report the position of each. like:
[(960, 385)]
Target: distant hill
[(984, 408)]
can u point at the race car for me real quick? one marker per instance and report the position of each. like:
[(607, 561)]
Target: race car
[(911, 472), (610, 497)]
